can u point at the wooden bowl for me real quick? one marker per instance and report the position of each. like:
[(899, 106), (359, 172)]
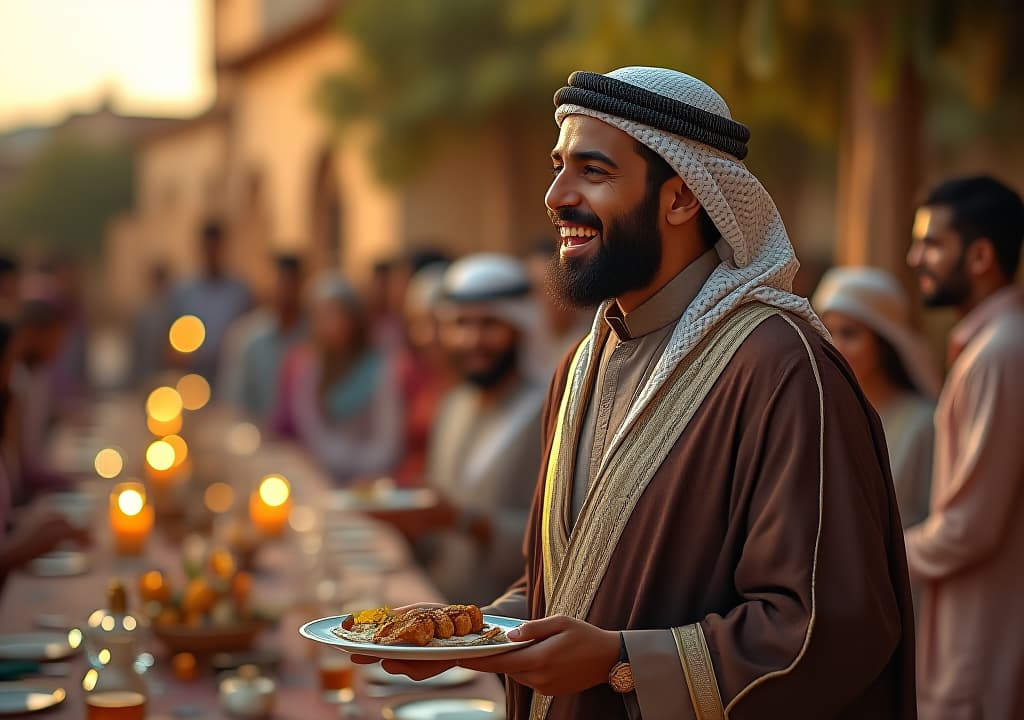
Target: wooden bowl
[(207, 640)]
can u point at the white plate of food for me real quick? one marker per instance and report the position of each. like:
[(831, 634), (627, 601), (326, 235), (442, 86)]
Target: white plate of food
[(418, 634)]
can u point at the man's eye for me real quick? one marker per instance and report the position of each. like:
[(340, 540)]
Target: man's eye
[(556, 169), (593, 170)]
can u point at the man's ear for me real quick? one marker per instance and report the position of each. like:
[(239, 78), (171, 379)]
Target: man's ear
[(981, 257), (682, 204)]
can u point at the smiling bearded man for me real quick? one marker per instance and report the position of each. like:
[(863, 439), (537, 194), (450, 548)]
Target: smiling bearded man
[(715, 532)]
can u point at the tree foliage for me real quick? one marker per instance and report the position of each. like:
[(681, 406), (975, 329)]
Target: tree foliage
[(64, 199), (423, 67)]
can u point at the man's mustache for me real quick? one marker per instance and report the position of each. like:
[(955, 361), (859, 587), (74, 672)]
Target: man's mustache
[(575, 216)]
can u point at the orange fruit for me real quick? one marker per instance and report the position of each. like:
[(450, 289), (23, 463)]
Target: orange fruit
[(199, 596), (153, 588), (168, 617), (241, 587), (222, 563)]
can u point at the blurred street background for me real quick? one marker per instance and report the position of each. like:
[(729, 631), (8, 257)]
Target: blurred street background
[(351, 132)]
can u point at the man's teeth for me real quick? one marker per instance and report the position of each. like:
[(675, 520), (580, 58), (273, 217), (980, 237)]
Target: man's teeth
[(574, 231)]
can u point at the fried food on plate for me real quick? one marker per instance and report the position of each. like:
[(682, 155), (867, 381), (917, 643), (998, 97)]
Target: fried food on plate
[(452, 625), (407, 629)]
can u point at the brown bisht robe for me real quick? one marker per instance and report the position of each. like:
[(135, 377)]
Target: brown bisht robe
[(763, 563)]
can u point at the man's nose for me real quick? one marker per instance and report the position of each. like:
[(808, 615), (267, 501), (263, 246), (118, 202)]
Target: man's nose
[(561, 193)]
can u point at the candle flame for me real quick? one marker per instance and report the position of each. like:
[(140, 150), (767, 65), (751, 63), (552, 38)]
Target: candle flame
[(274, 490), (160, 455), (130, 502)]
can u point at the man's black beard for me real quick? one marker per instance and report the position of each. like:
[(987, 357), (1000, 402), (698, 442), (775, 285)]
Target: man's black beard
[(627, 259), (503, 366), (952, 290)]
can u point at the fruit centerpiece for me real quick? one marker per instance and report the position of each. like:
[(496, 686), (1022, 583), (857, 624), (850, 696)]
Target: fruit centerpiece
[(210, 613)]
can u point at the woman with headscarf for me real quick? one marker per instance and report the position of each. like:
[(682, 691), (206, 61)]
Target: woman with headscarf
[(338, 394), (867, 313)]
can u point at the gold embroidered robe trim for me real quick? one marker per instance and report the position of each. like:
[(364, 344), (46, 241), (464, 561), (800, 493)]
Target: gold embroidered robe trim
[(699, 672)]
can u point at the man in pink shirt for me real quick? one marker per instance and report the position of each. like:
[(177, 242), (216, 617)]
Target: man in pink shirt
[(967, 552)]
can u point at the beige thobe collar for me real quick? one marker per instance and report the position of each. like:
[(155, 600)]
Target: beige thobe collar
[(667, 305), (985, 312)]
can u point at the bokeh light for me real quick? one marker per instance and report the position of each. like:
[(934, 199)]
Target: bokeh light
[(164, 429), (302, 518), (108, 463), (274, 490), (219, 497), (164, 404), (130, 502), (160, 455), (243, 439), (180, 448), (187, 334), (194, 391)]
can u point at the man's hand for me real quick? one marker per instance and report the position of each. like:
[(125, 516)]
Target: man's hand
[(569, 656)]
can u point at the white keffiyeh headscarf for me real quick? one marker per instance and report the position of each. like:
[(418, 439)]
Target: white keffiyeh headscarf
[(758, 261)]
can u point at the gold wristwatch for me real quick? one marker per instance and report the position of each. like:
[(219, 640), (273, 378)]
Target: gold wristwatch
[(620, 677)]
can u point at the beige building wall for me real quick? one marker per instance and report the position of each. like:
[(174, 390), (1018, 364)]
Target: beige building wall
[(179, 184), (124, 279), (280, 140), (370, 212), (482, 192)]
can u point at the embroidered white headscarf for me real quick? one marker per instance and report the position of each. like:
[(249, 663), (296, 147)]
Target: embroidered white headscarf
[(758, 261)]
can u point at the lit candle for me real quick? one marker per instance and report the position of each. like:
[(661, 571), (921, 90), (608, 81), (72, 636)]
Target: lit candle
[(270, 504), (131, 518), (167, 461)]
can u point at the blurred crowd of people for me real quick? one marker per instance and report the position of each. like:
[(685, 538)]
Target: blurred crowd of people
[(436, 376), (42, 380)]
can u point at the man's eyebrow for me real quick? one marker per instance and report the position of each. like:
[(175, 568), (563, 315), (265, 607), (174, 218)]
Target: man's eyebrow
[(584, 155)]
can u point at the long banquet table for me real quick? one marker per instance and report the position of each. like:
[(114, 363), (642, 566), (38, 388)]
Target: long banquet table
[(281, 578)]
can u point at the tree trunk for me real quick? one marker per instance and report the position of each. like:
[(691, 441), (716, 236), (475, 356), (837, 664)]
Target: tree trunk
[(879, 155)]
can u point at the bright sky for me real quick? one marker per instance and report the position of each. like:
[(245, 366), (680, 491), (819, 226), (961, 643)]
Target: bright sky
[(58, 56)]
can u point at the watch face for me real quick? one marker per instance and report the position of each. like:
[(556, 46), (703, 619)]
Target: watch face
[(621, 678)]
